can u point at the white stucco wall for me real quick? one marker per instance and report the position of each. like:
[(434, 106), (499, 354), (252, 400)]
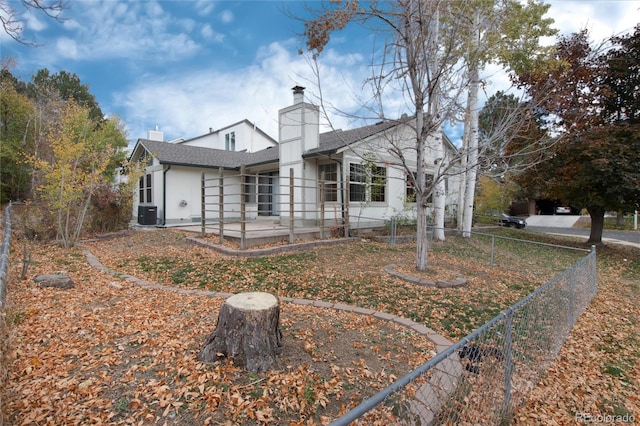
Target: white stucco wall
[(247, 138)]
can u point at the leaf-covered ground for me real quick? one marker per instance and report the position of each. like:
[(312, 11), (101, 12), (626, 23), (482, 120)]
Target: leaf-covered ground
[(596, 377), (111, 352), (349, 273)]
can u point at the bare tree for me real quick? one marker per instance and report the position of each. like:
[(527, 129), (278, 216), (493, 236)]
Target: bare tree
[(431, 58), (13, 24)]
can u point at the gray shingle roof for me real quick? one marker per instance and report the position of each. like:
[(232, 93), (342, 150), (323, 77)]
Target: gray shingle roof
[(195, 156), (333, 141), (186, 155)]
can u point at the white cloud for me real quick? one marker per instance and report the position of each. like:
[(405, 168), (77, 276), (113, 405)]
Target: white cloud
[(71, 25), (206, 31), (601, 18), (186, 25), (33, 23), (187, 103), (189, 97), (154, 9), (226, 16), (67, 48), (125, 30), (204, 7), (209, 34)]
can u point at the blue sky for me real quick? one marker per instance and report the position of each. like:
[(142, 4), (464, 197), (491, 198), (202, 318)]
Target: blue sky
[(186, 66)]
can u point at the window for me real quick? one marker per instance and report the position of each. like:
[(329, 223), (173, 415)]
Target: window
[(357, 183), (410, 191), (249, 189), (367, 183), (230, 141), (378, 184), (429, 183), (144, 186), (330, 180)]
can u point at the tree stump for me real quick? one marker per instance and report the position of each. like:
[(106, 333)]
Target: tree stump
[(247, 332)]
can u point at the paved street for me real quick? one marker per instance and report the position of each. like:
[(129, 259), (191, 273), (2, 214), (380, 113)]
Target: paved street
[(622, 237)]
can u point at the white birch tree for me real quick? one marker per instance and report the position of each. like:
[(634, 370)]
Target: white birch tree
[(430, 59), (503, 31)]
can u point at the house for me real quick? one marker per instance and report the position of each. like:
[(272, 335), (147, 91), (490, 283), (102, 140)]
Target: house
[(352, 172)]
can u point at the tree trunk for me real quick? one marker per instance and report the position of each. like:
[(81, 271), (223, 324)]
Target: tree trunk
[(422, 247), (439, 190), (421, 191), (472, 154), (597, 224), (463, 174), (248, 332)]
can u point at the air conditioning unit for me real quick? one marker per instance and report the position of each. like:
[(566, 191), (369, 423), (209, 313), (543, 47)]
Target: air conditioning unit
[(147, 215)]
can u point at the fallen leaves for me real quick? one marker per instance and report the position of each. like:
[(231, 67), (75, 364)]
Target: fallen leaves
[(125, 354), (122, 354)]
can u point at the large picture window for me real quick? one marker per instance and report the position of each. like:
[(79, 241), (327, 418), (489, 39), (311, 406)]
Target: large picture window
[(329, 172), (367, 182)]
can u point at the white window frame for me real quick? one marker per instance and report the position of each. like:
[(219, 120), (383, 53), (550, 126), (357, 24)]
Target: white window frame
[(145, 188), (364, 175), (330, 181), (230, 141)]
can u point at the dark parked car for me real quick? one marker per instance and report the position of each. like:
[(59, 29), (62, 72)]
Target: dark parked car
[(512, 221)]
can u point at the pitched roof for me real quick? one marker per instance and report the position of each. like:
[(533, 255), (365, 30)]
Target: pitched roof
[(331, 142), (336, 139), (187, 155), (195, 156), (221, 130)]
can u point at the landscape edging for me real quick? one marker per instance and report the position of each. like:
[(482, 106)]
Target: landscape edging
[(440, 341)]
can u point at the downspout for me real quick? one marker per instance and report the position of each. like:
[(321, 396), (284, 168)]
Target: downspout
[(164, 195)]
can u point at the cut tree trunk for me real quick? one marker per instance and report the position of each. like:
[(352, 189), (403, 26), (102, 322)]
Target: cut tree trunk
[(248, 332)]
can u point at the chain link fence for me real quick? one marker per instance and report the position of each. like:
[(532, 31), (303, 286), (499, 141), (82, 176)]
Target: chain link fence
[(4, 253), (4, 335), (482, 377)]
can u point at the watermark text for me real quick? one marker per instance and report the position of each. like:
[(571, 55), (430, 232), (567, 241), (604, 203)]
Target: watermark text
[(605, 418)]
